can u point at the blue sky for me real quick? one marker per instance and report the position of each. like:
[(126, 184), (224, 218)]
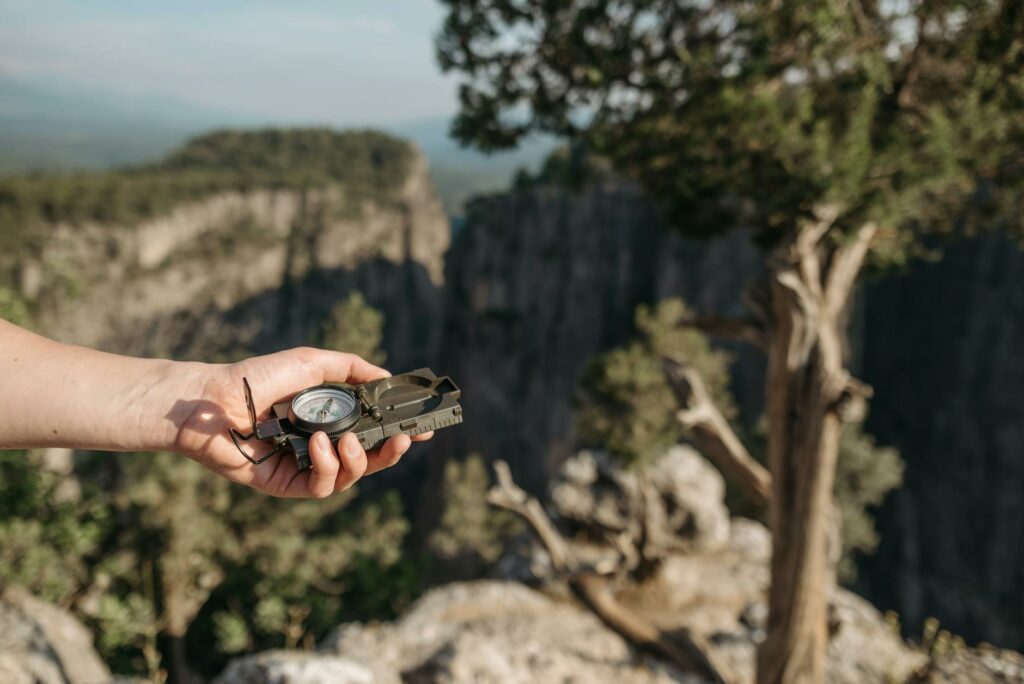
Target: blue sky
[(347, 62)]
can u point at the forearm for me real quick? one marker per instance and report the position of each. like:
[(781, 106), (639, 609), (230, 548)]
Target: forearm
[(53, 394)]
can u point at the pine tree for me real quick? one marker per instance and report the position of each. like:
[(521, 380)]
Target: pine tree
[(839, 132)]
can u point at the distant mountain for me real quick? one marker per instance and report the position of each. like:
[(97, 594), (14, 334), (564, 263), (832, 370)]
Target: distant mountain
[(56, 127), (45, 126)]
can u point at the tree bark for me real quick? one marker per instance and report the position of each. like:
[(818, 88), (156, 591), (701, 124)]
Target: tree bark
[(713, 436), (807, 391)]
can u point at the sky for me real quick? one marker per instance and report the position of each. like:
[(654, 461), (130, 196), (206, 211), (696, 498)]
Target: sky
[(346, 62)]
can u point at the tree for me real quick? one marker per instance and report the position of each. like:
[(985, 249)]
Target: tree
[(836, 131), (355, 327), (625, 406)]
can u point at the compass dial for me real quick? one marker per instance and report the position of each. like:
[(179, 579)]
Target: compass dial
[(327, 407)]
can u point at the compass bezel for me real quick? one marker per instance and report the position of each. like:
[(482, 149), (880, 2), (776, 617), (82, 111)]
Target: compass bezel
[(331, 427)]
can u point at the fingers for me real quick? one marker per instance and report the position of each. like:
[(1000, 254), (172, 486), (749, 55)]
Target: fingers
[(353, 462), (389, 454), (326, 466), (424, 437), (341, 367)]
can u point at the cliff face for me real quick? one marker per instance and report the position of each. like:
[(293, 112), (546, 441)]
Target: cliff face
[(540, 280), (942, 348), (250, 271)]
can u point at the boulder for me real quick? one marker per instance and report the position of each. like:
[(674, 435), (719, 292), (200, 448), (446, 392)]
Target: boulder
[(295, 667), (495, 631), (43, 644), (673, 505)]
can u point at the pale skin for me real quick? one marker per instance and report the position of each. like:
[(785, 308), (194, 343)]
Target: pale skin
[(59, 395)]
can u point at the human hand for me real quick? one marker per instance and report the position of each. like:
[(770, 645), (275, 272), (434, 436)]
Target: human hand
[(203, 423)]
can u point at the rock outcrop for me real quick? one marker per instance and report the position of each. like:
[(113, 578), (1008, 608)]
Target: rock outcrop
[(711, 580), (540, 279), (248, 271), (43, 644)]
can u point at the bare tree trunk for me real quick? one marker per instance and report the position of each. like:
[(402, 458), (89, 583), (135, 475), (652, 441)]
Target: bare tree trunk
[(807, 391)]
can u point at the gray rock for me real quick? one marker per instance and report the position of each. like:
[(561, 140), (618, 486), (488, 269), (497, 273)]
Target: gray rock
[(972, 666), (295, 667), (673, 505), (43, 644), (499, 632)]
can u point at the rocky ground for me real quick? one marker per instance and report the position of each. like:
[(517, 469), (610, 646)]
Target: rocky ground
[(710, 577)]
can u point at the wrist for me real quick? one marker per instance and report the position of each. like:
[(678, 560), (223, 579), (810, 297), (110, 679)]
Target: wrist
[(170, 394)]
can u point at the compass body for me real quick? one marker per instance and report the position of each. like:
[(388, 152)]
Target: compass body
[(412, 403)]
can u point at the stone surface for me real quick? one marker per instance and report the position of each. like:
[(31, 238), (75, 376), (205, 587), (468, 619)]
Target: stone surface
[(674, 504), (257, 270), (294, 667), (495, 632), (43, 644), (971, 666), (942, 348)]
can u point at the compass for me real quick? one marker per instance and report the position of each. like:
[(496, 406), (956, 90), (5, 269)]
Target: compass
[(412, 403), (329, 408)]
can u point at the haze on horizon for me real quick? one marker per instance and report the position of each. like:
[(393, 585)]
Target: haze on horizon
[(305, 62)]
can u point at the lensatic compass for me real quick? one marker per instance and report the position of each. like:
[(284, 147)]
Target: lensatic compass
[(412, 403)]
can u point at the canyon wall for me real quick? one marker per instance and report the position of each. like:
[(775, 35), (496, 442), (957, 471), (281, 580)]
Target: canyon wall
[(242, 272), (541, 279), (538, 281), (942, 346)]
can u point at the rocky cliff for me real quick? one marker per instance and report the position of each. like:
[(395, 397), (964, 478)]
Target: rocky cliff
[(540, 279), (246, 270), (942, 348)]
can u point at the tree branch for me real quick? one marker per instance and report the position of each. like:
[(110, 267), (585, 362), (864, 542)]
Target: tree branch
[(805, 245), (713, 435), (846, 265), (508, 495), (683, 649), (748, 329)]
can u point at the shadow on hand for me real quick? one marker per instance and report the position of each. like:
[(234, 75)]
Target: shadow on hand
[(203, 418)]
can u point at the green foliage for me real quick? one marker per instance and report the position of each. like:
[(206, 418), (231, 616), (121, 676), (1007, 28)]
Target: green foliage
[(13, 308), (865, 473), (168, 548), (355, 327), (905, 114), (624, 403), (47, 537), (369, 164), (469, 525)]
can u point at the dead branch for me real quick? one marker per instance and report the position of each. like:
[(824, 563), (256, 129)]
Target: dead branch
[(683, 649), (713, 434), (508, 495), (749, 329)]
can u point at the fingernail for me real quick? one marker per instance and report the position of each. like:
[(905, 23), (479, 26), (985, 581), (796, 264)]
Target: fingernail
[(352, 447), (324, 440)]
